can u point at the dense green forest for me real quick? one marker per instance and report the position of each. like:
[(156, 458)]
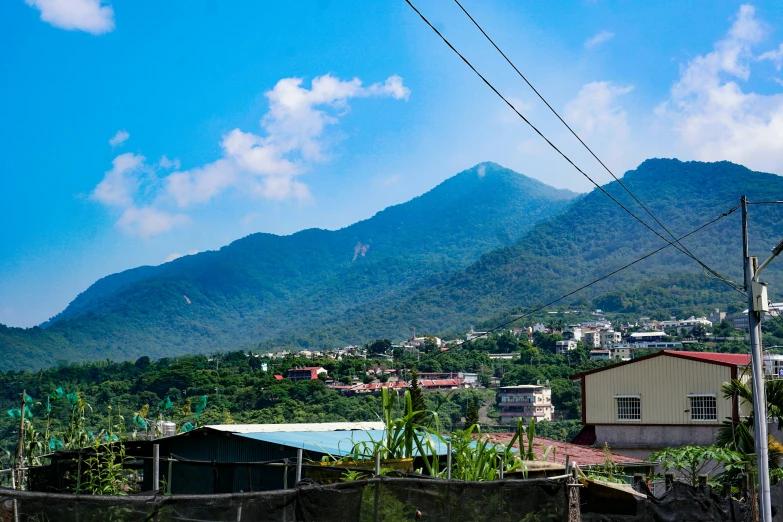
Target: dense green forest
[(266, 286), (239, 391)]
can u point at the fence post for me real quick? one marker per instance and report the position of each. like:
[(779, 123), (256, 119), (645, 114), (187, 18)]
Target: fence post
[(750, 493), (168, 475), (299, 457), (669, 478), (572, 488), (638, 478), (377, 463), (448, 460), (155, 467), (79, 472), (500, 474), (285, 473)]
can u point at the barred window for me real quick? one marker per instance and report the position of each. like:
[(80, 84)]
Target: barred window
[(704, 407), (629, 408)]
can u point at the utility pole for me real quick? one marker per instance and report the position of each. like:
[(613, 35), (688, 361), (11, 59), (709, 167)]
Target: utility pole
[(759, 397)]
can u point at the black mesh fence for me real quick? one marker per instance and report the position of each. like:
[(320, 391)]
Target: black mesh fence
[(387, 500), (374, 500)]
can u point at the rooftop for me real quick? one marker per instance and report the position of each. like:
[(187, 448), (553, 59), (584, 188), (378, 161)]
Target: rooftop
[(302, 427), (582, 455), (722, 359)]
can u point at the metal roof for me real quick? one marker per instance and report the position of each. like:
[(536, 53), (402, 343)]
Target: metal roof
[(335, 443), (302, 427)]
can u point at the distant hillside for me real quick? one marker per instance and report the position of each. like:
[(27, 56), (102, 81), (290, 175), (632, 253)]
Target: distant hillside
[(592, 238), (266, 286)]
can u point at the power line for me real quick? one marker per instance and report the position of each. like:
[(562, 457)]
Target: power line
[(765, 202), (550, 303), (554, 147), (684, 248)]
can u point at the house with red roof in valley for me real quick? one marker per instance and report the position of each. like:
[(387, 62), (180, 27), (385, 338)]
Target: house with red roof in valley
[(670, 398), (440, 384), (305, 373)]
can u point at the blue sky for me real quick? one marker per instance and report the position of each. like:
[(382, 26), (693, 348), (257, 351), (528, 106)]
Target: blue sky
[(137, 131)]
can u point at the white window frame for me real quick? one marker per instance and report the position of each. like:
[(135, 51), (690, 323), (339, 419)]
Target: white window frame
[(617, 406), (692, 396)]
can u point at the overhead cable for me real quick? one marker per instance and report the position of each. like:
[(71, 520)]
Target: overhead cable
[(650, 254), (554, 147)]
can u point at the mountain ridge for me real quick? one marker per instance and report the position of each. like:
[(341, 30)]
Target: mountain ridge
[(258, 286)]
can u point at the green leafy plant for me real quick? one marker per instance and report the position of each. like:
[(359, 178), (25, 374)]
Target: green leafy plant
[(103, 473), (692, 461)]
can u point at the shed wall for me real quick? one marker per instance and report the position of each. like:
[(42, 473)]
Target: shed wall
[(663, 383)]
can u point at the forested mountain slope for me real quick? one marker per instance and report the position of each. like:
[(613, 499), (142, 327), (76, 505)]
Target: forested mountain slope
[(592, 238), (265, 286)]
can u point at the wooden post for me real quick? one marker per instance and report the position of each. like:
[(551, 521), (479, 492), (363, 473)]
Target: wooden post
[(572, 489), (448, 460), (155, 467), (638, 478), (168, 475), (19, 462), (377, 463), (669, 479), (285, 474), (750, 493), (79, 472)]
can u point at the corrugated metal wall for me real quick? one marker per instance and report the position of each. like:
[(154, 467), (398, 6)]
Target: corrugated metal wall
[(663, 383), (220, 447)]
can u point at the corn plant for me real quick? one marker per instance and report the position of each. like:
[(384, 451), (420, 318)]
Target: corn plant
[(103, 473)]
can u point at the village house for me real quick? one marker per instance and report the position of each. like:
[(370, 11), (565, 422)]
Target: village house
[(607, 338), (526, 401), (562, 347), (670, 398), (306, 373)]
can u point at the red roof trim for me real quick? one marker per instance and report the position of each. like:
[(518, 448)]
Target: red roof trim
[(720, 359)]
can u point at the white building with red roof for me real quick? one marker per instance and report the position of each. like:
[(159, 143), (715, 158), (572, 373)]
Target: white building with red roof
[(670, 398)]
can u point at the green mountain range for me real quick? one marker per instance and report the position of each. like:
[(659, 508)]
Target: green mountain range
[(265, 287), (480, 248), (594, 237)]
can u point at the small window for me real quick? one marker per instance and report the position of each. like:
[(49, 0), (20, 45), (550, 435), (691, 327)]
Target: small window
[(629, 408), (704, 407)]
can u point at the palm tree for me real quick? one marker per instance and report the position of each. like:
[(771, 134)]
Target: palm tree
[(738, 435)]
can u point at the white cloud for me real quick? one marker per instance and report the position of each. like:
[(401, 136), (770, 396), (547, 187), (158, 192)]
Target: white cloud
[(713, 118), (149, 221), (267, 166), (263, 166), (598, 39), (596, 111), (775, 56), (119, 138), (81, 15), (121, 182), (177, 255), (166, 163)]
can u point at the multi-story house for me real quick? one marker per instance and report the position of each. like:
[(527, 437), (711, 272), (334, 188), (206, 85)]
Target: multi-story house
[(526, 401), (609, 337), (591, 339), (562, 347), (306, 373)]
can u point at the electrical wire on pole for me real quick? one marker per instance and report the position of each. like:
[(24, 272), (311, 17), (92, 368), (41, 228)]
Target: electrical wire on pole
[(571, 130), (562, 154)]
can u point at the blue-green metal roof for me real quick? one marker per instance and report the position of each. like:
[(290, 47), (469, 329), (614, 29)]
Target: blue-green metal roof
[(335, 443)]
